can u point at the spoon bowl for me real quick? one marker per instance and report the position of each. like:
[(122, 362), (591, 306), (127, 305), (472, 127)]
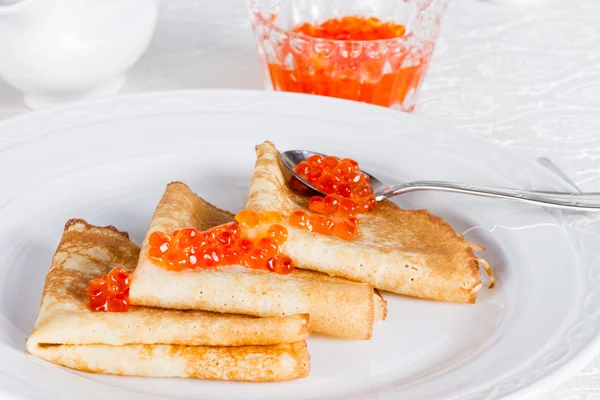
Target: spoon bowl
[(382, 191), (292, 158)]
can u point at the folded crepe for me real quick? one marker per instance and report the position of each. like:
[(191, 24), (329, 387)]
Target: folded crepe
[(408, 252), (336, 306), (149, 341)]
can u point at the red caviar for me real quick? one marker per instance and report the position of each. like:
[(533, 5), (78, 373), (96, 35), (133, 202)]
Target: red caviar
[(377, 73), (347, 187), (254, 243), (348, 195), (352, 28), (344, 228), (110, 292)]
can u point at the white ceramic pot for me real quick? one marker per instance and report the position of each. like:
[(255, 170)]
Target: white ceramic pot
[(57, 51)]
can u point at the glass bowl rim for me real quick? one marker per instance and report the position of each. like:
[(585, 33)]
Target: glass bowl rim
[(253, 9)]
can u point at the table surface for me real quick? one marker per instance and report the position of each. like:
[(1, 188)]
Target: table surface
[(523, 73)]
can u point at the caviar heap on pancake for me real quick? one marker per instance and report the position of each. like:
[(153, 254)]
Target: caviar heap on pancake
[(254, 243), (110, 292), (348, 195)]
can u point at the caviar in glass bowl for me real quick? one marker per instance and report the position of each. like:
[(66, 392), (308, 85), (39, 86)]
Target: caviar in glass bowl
[(374, 51)]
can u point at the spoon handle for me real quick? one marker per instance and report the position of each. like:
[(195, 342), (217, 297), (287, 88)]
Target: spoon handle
[(572, 201)]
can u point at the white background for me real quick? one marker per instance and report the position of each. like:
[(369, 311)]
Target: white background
[(523, 73)]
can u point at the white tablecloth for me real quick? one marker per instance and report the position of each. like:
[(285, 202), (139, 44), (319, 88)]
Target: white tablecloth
[(523, 73)]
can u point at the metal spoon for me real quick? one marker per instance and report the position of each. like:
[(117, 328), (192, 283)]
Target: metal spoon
[(564, 200)]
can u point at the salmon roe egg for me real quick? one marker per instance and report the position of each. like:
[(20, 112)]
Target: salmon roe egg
[(223, 245), (345, 230), (268, 246), (331, 204), (157, 239), (280, 264), (298, 219), (110, 292), (278, 232), (322, 224), (270, 217), (330, 162), (248, 218), (316, 204)]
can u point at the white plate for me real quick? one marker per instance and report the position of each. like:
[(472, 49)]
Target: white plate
[(108, 162)]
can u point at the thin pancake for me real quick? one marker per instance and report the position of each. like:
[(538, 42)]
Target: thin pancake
[(409, 252), (187, 344), (338, 308)]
